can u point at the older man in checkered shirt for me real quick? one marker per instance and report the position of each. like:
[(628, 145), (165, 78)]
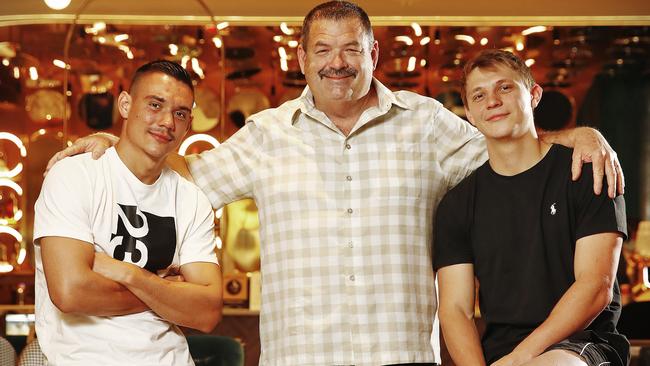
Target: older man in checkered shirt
[(347, 178)]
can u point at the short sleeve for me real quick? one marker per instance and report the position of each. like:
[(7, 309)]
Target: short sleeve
[(460, 146), (597, 214), (199, 243), (63, 206), (452, 244), (227, 173)]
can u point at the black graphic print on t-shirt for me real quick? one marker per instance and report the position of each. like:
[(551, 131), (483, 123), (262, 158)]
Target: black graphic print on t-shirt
[(144, 239)]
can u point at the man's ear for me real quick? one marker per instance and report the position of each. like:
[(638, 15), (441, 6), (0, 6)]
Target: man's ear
[(302, 55), (374, 54), (536, 95), (124, 104)]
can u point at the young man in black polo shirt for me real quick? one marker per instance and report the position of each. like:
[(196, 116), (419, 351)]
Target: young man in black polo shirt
[(543, 247)]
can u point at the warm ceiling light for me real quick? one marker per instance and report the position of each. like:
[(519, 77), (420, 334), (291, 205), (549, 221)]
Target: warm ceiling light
[(484, 41), (293, 43), (173, 49), (17, 141), (184, 60), (277, 38), (531, 30), (405, 39), (4, 182), (101, 39), (197, 68), (57, 4), (22, 254), (465, 38), (222, 25), (11, 231), (16, 72), (285, 29), (519, 46), (425, 41), (33, 73), (411, 65), (13, 172), (121, 37), (60, 64), (217, 42), (5, 61), (417, 29), (99, 26), (283, 65), (530, 62), (282, 52), (194, 138), (445, 78), (423, 62)]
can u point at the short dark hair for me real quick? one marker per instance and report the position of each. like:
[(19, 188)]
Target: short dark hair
[(336, 10), (166, 67), (490, 59)]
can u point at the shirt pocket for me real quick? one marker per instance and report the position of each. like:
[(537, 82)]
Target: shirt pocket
[(398, 172)]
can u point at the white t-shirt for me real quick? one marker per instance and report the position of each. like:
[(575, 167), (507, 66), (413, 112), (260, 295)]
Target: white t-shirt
[(168, 223)]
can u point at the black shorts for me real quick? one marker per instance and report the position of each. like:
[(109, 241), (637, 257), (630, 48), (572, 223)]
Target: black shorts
[(597, 349)]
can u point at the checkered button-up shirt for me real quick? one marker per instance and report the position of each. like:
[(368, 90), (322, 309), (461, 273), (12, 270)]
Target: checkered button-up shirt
[(346, 223)]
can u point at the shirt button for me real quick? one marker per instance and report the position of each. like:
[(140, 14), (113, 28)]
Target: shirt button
[(349, 178), (351, 278), (350, 210), (347, 146)]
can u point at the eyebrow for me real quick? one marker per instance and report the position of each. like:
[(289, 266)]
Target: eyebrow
[(323, 44), (163, 100), (500, 81)]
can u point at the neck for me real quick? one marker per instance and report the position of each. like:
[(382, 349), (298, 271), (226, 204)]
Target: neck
[(345, 114), (513, 156), (146, 169)]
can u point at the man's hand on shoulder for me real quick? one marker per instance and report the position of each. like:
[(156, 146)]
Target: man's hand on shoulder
[(590, 146), (96, 143)]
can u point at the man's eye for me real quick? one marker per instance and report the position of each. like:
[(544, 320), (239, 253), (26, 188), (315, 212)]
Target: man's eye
[(477, 97), (155, 105), (181, 116), (321, 52), (506, 87)]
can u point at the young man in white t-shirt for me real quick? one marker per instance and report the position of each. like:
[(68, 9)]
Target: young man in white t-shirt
[(107, 232)]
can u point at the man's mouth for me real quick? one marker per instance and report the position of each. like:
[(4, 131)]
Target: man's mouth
[(161, 136), (497, 117)]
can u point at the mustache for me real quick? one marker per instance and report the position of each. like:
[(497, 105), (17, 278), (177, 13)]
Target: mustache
[(162, 131), (339, 73)]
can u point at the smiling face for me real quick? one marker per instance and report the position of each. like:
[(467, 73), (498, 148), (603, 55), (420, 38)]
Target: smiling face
[(499, 103), (157, 115), (338, 60)]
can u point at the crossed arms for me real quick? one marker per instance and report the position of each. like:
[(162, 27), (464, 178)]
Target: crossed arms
[(82, 281)]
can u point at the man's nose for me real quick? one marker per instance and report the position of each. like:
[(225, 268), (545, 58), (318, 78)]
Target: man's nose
[(338, 61), (168, 121), (493, 100)]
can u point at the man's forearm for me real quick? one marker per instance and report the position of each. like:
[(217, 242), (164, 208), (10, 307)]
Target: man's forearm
[(187, 304), (461, 338), (98, 296), (577, 308)]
